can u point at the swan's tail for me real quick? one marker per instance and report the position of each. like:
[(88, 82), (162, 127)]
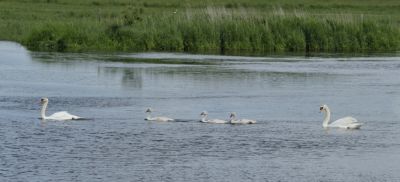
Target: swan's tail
[(80, 118), (355, 126)]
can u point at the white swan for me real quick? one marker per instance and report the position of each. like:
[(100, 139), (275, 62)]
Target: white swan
[(204, 119), (149, 118), (63, 115), (346, 122), (233, 120)]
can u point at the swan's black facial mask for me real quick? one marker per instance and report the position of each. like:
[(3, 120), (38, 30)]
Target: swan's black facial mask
[(321, 108)]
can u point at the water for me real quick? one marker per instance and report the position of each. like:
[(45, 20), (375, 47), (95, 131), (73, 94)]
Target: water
[(283, 94)]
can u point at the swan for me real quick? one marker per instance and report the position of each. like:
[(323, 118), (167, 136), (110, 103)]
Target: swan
[(63, 115), (204, 119), (233, 120), (346, 122), (149, 118)]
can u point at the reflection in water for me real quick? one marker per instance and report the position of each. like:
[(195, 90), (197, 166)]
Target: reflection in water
[(283, 95), (228, 75), (13, 54), (208, 76), (131, 77)]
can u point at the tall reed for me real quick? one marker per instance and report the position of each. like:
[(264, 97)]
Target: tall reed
[(220, 30)]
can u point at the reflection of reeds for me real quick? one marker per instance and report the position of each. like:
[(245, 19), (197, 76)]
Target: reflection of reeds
[(217, 29), (162, 61)]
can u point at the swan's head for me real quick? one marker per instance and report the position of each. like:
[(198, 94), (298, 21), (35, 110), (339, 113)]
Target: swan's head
[(323, 108), (233, 114), (204, 113), (149, 110), (44, 100)]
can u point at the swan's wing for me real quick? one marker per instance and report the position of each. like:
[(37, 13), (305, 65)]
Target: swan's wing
[(163, 119), (217, 121), (63, 115), (344, 122), (243, 121), (354, 126), (249, 121)]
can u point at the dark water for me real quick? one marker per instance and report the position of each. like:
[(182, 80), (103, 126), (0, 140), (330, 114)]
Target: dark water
[(283, 94)]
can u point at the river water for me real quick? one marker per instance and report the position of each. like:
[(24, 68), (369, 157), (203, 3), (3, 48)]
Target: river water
[(115, 144)]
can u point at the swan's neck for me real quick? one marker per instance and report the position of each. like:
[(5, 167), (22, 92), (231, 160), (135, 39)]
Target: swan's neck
[(327, 118), (148, 116), (232, 118), (43, 111), (204, 118)]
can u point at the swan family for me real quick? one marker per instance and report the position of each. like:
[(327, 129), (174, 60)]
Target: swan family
[(345, 123)]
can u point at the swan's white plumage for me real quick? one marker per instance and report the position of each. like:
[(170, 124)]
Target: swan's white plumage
[(159, 118), (163, 119), (204, 119), (345, 123), (233, 120), (63, 115), (214, 121)]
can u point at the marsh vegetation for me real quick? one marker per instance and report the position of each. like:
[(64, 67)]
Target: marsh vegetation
[(203, 26)]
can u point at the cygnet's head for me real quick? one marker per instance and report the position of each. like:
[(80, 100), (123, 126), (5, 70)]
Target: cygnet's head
[(44, 100), (233, 114), (149, 110), (323, 107), (204, 113)]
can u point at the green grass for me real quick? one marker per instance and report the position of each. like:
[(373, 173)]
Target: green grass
[(221, 26)]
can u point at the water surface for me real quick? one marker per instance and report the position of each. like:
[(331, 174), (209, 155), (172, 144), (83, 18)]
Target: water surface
[(282, 93)]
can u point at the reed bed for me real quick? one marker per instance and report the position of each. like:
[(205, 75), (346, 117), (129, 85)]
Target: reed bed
[(226, 29)]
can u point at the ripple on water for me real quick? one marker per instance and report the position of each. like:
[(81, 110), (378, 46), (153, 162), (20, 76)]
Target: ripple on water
[(288, 142)]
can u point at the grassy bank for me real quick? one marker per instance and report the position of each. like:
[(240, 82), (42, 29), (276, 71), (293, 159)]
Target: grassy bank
[(202, 26)]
